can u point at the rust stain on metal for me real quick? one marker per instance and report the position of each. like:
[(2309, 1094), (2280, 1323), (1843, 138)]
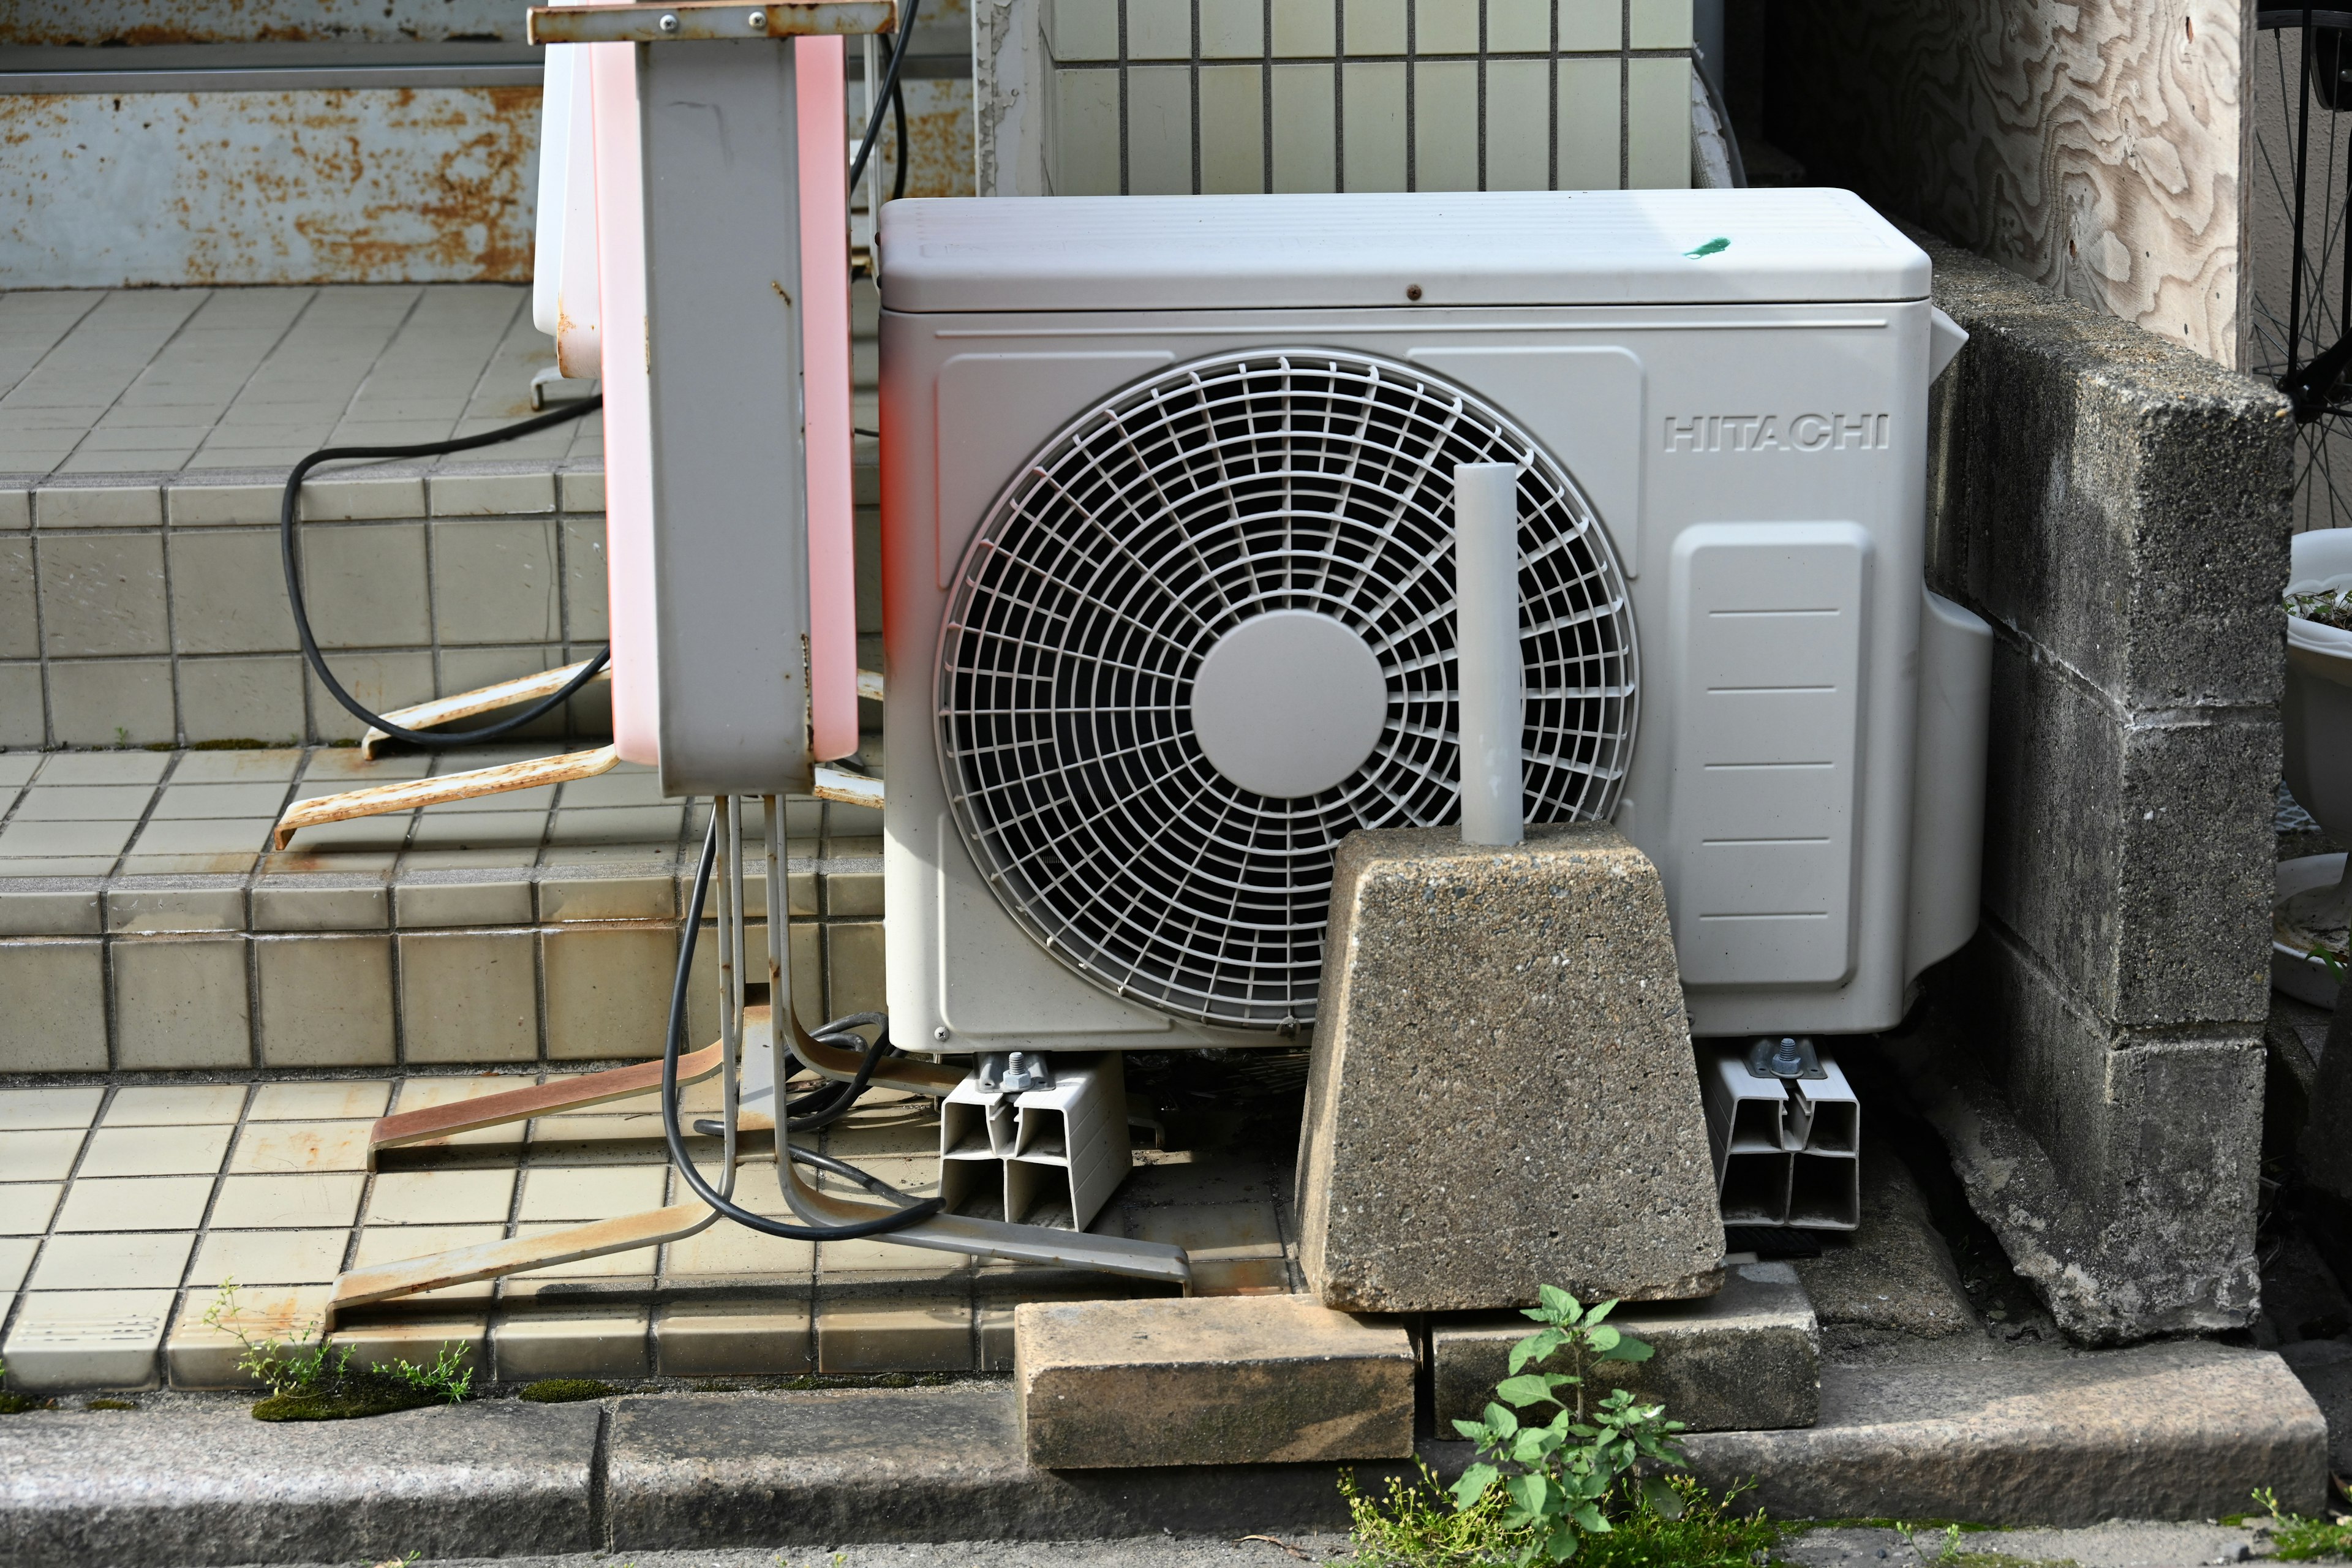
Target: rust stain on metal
[(59, 23), (481, 700), (491, 1259), (433, 1121), (302, 185), (409, 794)]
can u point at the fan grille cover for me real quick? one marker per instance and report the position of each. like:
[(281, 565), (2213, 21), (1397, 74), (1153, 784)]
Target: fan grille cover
[(1147, 529)]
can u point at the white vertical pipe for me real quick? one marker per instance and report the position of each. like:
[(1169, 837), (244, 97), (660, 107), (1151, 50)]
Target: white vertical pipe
[(1487, 651)]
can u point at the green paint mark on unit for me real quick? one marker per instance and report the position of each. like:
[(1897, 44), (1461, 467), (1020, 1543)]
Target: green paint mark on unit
[(1710, 247)]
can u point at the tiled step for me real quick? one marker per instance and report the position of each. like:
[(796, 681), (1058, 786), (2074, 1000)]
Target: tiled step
[(145, 926), (131, 1204)]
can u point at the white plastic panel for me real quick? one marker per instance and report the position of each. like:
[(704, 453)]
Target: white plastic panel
[(991, 403), (563, 290), (1948, 781), (1585, 404), (1769, 627)]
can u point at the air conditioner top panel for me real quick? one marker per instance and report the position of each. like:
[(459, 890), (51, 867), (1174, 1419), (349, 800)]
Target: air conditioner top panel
[(1502, 247)]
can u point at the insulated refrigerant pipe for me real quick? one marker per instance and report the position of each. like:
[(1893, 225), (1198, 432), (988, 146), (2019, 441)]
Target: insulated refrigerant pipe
[(1486, 651)]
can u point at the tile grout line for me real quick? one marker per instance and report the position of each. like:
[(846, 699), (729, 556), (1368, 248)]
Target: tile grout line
[(107, 1000), (65, 1187)]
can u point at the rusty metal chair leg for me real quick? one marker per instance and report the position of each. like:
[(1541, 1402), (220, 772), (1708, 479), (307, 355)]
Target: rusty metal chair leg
[(408, 795)]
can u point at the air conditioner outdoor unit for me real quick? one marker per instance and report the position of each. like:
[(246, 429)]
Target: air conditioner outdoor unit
[(1167, 555)]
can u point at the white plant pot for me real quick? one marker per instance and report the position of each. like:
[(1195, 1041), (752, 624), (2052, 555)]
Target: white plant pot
[(2317, 720)]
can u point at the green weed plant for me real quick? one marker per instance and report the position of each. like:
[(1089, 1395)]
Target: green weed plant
[(2299, 1538), (1579, 1482), (310, 1380)]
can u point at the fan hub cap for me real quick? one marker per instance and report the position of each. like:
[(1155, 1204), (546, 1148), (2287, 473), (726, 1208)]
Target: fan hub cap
[(1289, 703)]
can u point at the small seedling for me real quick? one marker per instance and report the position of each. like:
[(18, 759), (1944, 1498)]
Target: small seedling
[(310, 1380), (2297, 1538)]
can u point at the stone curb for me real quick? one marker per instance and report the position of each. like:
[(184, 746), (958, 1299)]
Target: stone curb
[(2170, 1431)]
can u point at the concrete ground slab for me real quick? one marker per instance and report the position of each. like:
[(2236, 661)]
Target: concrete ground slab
[(2182, 1430), (210, 1484)]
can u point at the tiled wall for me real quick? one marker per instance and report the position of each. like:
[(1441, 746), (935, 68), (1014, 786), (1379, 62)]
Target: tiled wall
[(142, 930), (146, 615)]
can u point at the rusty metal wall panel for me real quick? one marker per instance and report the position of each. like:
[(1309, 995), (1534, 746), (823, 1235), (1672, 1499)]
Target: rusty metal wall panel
[(245, 21), (405, 184)]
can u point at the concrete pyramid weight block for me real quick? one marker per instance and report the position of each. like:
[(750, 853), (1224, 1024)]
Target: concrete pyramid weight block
[(1503, 1093)]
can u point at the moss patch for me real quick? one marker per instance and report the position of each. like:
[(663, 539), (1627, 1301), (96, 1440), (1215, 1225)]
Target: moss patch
[(565, 1390), (110, 1405), (351, 1397), (20, 1404)]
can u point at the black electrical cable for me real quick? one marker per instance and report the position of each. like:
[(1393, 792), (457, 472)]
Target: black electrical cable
[(883, 99), (291, 504), (915, 1211), (898, 120)]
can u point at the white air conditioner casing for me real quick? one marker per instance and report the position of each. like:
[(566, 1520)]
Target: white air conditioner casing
[(1733, 384)]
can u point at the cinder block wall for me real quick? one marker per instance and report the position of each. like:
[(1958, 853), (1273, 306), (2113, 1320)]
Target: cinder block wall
[(2116, 507)]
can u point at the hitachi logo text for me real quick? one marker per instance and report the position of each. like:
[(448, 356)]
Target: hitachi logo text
[(1776, 432)]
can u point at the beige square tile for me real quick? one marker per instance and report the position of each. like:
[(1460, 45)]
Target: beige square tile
[(441, 1197), (916, 1175), (102, 594), (156, 1151), (340, 1100), (475, 900), (84, 803), (423, 1093), (497, 582), (110, 703), (23, 1109), (55, 1017), (873, 1256), (35, 909), (896, 1335), (728, 1249), (397, 1243), (26, 1206), (420, 1340), (270, 765), (248, 799), (175, 1105), (326, 1001), (204, 835), (86, 1339), (15, 1260), (368, 585), (319, 1199), (631, 1135), (135, 1203), (276, 1147), (993, 1326), (637, 1263), (43, 1156), (854, 967), (149, 905), (756, 1337), (270, 1258), (608, 990), (558, 1193), (228, 594), (152, 1260), (469, 998), (321, 902), (31, 837), (613, 1341), (198, 1355), (181, 1001), (104, 768)]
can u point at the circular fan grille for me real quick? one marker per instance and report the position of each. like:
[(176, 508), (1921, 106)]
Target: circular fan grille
[(1138, 536)]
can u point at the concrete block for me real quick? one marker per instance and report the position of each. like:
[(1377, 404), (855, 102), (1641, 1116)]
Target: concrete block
[(2164, 831), (2116, 500), (1747, 1357), (2181, 1430), (1206, 1380), (2125, 1191), (1503, 1093)]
